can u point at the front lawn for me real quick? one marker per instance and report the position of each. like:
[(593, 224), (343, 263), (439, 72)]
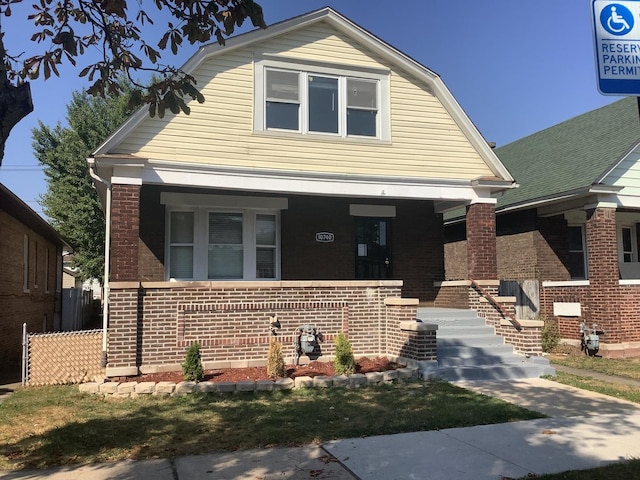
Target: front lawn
[(623, 367), (47, 426)]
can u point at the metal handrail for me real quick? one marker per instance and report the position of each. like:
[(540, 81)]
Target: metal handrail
[(510, 316)]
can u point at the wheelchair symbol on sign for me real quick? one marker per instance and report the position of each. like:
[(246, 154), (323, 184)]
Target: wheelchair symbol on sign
[(616, 19)]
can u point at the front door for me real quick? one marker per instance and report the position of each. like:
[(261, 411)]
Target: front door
[(373, 248)]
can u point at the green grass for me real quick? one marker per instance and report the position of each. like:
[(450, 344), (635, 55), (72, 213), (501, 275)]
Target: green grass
[(624, 392), (48, 426), (624, 367), (620, 471)]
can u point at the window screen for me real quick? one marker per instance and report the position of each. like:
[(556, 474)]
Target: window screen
[(362, 107), (283, 100), (265, 246), (181, 245), (225, 246)]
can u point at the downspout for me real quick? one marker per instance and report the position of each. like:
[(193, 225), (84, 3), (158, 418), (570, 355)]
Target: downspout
[(107, 258)]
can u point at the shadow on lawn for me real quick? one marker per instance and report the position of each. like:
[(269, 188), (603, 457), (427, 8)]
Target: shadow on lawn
[(169, 427), (154, 427)]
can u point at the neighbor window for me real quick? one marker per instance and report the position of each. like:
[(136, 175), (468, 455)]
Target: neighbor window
[(47, 259), (627, 245), (319, 99), (577, 253), (209, 244), (25, 263)]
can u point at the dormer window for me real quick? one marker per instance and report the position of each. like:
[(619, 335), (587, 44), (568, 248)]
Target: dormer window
[(321, 100)]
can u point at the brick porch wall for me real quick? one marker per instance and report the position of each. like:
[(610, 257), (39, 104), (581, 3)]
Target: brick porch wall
[(622, 337), (568, 326), (151, 325)]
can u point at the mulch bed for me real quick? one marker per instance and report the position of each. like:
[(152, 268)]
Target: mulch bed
[(312, 369)]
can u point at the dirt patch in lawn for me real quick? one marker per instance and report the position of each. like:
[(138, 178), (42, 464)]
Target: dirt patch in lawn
[(312, 369)]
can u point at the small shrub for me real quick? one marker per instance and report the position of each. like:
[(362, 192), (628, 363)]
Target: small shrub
[(192, 365), (275, 361), (344, 363), (550, 335)]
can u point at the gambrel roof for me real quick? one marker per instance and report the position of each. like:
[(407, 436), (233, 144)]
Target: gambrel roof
[(500, 175)]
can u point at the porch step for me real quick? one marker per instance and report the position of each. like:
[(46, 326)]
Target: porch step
[(494, 372), (468, 349)]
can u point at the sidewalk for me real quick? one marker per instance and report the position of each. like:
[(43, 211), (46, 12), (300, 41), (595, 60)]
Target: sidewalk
[(586, 430)]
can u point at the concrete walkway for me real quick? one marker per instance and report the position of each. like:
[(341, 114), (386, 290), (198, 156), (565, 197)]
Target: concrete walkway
[(586, 430)]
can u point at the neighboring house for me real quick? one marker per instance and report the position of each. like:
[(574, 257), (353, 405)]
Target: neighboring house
[(569, 234), (72, 279), (310, 184), (31, 282)]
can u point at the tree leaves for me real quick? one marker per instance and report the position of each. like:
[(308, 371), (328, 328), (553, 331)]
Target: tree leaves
[(71, 201), (115, 28)]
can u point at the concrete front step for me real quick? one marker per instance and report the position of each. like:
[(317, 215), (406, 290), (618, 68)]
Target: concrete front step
[(482, 360), (493, 372), (435, 314), (462, 331), (468, 349), (471, 352), (470, 341)]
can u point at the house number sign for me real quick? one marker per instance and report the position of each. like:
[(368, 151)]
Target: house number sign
[(325, 237)]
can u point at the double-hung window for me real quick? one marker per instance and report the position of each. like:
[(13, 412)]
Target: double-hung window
[(627, 244), (362, 107), (225, 248), (577, 253), (321, 99), (223, 242), (282, 108)]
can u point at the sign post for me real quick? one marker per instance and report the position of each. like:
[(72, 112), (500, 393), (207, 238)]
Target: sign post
[(616, 27)]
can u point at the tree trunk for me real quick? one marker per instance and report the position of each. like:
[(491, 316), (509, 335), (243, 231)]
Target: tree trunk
[(15, 101)]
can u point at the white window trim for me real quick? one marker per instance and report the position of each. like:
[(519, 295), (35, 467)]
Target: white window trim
[(201, 244), (322, 69)]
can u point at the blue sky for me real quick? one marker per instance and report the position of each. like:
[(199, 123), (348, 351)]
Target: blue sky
[(515, 67)]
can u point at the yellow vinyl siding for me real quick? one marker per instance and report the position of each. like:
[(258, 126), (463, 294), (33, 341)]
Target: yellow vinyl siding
[(425, 141)]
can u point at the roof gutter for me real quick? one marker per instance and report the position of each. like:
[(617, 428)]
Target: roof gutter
[(107, 259)]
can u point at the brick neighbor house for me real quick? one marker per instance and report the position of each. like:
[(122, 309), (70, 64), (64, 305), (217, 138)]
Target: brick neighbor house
[(30, 286), (569, 235), (309, 185)]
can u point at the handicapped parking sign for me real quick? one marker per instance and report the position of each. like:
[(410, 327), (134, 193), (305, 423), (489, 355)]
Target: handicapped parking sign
[(616, 28), (617, 19)]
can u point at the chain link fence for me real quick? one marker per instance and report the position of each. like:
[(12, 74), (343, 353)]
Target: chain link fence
[(62, 358)]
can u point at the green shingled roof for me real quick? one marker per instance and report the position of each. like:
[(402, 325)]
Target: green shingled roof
[(570, 155)]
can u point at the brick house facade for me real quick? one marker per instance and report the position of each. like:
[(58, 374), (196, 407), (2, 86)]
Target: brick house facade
[(30, 287), (571, 229), (336, 222)]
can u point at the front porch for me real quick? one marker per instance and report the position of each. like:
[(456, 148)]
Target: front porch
[(152, 323)]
